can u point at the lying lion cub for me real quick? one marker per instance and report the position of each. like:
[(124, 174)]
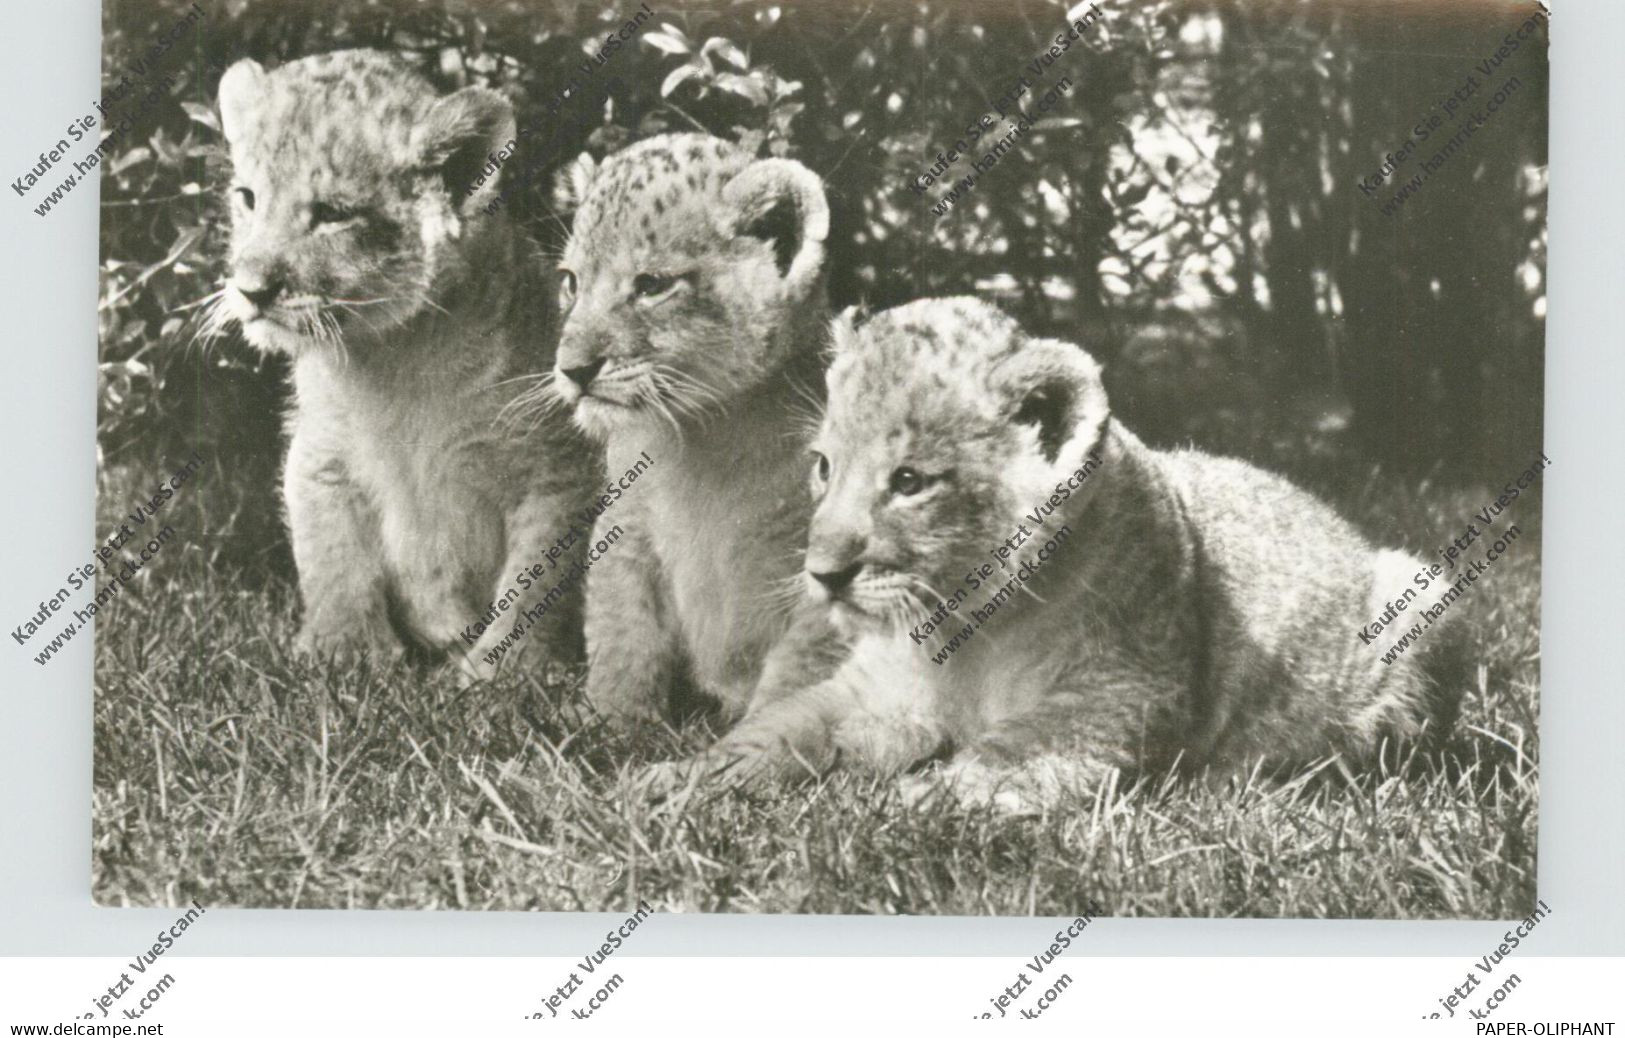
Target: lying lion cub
[(1020, 579)]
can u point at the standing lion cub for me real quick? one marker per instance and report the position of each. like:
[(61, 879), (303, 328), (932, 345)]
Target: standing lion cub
[(1019, 579), (359, 249)]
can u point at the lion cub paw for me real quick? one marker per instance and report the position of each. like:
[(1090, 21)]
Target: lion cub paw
[(971, 784), (710, 772), (362, 642), (469, 672)]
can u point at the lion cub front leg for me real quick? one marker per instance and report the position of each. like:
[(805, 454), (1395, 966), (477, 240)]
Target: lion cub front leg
[(634, 648), (867, 711), (545, 547), (791, 736), (335, 532), (1066, 744)]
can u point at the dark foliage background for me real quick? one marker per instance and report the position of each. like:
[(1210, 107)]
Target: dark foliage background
[(1190, 213)]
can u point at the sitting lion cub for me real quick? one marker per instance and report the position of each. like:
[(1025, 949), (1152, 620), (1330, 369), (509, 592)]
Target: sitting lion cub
[(693, 289), (1019, 578), (360, 249)]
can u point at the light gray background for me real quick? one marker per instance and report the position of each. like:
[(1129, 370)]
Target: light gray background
[(47, 424)]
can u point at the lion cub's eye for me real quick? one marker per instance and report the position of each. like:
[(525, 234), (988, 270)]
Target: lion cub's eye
[(821, 467), (907, 482), (245, 196), (647, 286), (326, 213), (567, 288)]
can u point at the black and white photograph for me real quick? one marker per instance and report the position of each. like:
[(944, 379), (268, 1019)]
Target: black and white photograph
[(842, 457)]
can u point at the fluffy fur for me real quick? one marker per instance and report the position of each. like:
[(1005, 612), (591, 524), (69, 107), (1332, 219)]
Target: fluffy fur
[(1196, 609), (412, 322), (695, 318)]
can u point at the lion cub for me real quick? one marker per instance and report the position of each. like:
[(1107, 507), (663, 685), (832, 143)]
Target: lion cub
[(359, 250), (695, 322), (1016, 575)]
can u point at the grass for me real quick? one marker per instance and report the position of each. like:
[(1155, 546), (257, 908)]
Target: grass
[(229, 770)]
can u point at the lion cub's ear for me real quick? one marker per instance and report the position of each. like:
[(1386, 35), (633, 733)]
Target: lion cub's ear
[(573, 182), (1054, 388), (781, 202), (241, 88), (462, 135), (843, 329)]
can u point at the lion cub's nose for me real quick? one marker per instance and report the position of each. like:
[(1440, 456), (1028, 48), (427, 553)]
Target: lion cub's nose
[(836, 581), (584, 375), (261, 293)]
